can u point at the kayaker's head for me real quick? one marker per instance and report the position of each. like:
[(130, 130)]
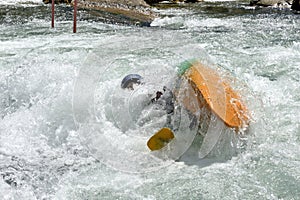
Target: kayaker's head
[(131, 79)]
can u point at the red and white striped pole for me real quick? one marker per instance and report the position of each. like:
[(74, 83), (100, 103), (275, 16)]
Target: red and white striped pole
[(75, 16), (52, 23)]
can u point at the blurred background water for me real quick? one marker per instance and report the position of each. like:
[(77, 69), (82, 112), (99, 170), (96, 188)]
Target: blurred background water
[(41, 153)]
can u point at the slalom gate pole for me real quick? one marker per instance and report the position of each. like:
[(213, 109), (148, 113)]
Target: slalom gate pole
[(75, 16), (52, 22)]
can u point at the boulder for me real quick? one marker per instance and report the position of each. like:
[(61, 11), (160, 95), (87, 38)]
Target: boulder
[(151, 2), (136, 11), (296, 5), (57, 1), (279, 3)]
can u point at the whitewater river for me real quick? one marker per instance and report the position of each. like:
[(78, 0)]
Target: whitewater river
[(51, 147)]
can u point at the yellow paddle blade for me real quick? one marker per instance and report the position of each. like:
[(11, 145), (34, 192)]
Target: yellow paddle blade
[(218, 94), (160, 139)]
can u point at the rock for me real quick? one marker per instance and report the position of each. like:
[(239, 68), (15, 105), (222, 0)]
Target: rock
[(57, 1), (193, 1), (136, 11), (277, 3), (151, 2), (296, 5)]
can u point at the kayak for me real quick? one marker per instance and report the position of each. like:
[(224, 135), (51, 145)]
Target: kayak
[(217, 93), (213, 92)]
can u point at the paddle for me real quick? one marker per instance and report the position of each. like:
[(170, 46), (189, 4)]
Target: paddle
[(160, 139)]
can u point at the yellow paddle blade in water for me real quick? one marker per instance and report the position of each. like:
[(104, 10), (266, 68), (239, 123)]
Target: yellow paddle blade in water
[(160, 139)]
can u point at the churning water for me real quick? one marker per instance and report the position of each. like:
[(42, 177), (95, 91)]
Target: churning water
[(48, 152)]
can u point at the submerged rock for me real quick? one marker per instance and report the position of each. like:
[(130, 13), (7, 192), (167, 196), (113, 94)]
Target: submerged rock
[(296, 5)]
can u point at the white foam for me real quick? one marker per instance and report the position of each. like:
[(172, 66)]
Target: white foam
[(14, 2), (38, 137)]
